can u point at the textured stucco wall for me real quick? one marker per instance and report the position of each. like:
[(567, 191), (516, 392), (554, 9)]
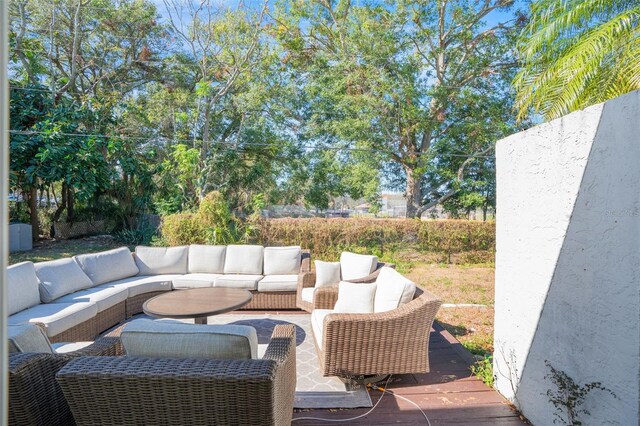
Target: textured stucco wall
[(568, 260)]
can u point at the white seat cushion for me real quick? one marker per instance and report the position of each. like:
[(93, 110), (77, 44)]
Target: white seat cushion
[(174, 339), (327, 273), (244, 259), (278, 283), (22, 287), (56, 317), (206, 259), (197, 280), (393, 290), (354, 266), (60, 277), (103, 297), (317, 323), (140, 285), (282, 260), (66, 347), (355, 298), (307, 294), (108, 265), (28, 338), (249, 282), (162, 260)]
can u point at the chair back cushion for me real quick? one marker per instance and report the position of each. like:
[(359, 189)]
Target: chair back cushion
[(327, 273), (22, 287), (174, 339), (206, 259), (60, 277), (108, 265), (354, 266), (244, 259), (393, 290), (28, 338), (162, 260), (355, 298), (282, 260)]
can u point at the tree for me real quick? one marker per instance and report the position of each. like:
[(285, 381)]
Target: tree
[(576, 53), (399, 78)]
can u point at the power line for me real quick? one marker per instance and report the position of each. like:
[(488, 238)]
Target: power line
[(237, 146)]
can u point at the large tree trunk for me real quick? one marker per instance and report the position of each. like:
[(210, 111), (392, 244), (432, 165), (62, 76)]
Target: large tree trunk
[(413, 193), (33, 213)]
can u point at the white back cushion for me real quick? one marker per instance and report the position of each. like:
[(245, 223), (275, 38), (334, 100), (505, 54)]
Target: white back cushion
[(173, 339), (108, 265), (28, 338), (162, 260), (282, 260), (354, 266), (206, 259), (60, 277), (327, 273), (393, 290), (244, 259), (22, 287), (355, 298)]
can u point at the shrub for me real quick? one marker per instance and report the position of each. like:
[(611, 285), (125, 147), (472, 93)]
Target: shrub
[(213, 223)]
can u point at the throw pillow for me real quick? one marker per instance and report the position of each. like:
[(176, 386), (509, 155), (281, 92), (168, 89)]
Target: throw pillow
[(327, 273), (355, 298)]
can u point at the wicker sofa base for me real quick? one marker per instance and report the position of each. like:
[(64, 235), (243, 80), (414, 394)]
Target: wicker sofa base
[(271, 300), (82, 332), (134, 304)]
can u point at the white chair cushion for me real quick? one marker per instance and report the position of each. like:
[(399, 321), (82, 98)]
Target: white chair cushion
[(307, 294), (327, 273), (60, 277), (108, 265), (140, 285), (197, 280), (22, 287), (354, 266), (173, 339), (278, 283), (206, 259), (162, 260), (282, 260), (244, 259), (56, 317), (317, 323), (248, 282), (66, 347), (393, 290), (355, 298), (28, 338), (103, 297)]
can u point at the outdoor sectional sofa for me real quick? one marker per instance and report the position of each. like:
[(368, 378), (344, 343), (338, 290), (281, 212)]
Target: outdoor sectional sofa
[(75, 299)]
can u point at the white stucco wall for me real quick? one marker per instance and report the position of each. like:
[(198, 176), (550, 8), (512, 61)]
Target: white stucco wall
[(568, 260)]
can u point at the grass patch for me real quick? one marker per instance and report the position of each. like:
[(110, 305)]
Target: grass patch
[(57, 249)]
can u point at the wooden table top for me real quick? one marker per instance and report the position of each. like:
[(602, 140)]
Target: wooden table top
[(196, 302)]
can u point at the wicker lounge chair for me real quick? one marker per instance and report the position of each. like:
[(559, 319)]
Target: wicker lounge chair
[(391, 342), (35, 398), (157, 391)]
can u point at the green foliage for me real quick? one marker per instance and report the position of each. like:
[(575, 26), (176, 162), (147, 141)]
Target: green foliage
[(213, 223), (576, 53), (483, 369), (569, 396)]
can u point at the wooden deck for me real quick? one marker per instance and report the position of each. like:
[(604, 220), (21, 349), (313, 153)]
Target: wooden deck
[(449, 395)]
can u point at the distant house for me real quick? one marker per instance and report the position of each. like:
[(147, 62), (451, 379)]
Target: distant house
[(393, 204)]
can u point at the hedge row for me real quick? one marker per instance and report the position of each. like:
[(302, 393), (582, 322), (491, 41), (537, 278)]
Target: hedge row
[(452, 241), (471, 241)]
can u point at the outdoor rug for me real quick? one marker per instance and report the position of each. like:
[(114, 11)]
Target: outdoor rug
[(312, 389)]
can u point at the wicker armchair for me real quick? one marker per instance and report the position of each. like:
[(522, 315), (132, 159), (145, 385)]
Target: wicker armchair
[(309, 280), (35, 398), (154, 391), (392, 342)]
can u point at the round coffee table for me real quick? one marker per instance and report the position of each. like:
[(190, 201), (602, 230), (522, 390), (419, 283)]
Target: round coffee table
[(197, 303)]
